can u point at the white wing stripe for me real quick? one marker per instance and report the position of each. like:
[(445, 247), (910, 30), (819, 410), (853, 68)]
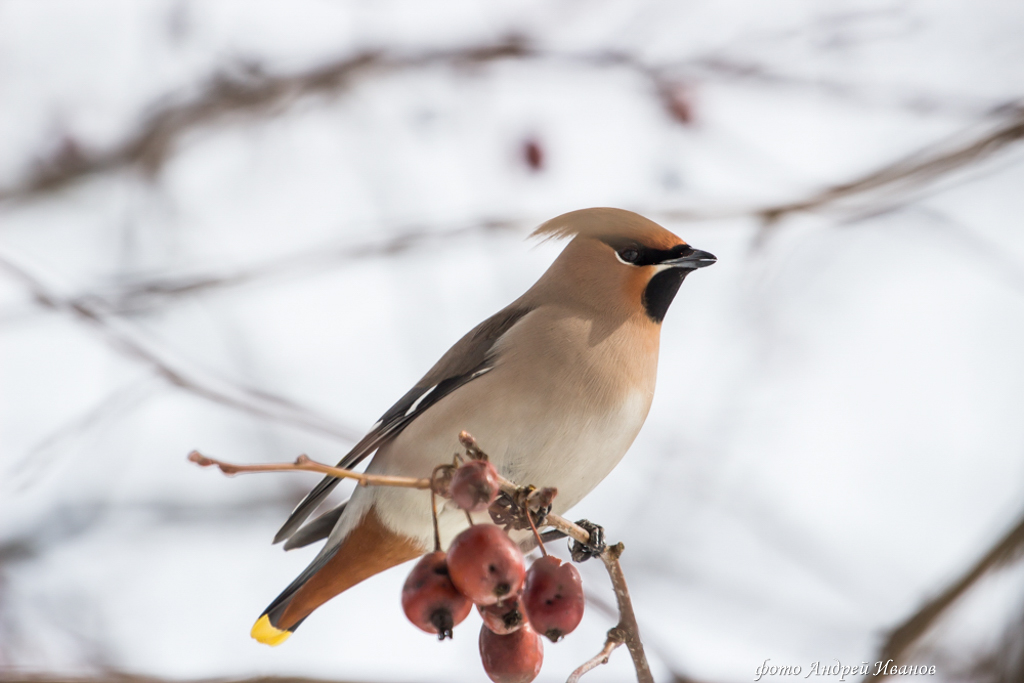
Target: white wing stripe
[(416, 403)]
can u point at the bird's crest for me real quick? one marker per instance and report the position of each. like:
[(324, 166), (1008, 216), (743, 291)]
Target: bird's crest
[(603, 223)]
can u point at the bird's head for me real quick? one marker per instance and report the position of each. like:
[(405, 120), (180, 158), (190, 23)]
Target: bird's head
[(618, 260)]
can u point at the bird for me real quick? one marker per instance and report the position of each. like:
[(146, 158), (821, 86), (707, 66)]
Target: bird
[(555, 387)]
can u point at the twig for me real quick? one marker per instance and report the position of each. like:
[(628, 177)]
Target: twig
[(627, 631), (914, 169), (615, 638), (627, 619), (128, 344), (248, 90), (144, 294), (902, 638), (918, 169), (304, 463)]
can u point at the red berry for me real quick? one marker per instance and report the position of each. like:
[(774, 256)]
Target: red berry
[(512, 658), (430, 599), (485, 565), (475, 485), (503, 617), (553, 597)]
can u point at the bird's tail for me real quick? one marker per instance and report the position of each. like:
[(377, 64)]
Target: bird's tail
[(368, 549), (269, 629)]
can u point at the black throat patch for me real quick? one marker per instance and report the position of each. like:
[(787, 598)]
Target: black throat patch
[(661, 290)]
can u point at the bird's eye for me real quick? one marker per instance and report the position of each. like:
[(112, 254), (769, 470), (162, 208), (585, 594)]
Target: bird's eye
[(629, 255)]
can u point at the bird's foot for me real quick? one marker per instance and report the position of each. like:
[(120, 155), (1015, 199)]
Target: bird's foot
[(581, 552)]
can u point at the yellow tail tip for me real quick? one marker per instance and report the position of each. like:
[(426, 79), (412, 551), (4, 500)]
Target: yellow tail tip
[(266, 633)]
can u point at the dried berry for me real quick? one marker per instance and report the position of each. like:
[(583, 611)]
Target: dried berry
[(553, 597), (430, 599), (503, 617), (485, 565), (512, 658), (475, 485)]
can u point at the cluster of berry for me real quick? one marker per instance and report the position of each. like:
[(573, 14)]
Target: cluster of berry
[(483, 566)]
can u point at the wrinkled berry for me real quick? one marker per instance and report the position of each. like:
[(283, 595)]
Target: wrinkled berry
[(553, 597), (430, 599), (475, 485), (503, 617), (512, 658), (485, 565)]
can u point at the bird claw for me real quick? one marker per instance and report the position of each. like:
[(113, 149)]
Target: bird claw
[(581, 552)]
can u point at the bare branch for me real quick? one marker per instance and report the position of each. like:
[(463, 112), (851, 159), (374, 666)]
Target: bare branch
[(913, 170), (253, 401), (627, 619), (304, 464), (615, 638), (901, 639), (725, 66), (249, 91), (627, 631), (903, 175), (148, 293)]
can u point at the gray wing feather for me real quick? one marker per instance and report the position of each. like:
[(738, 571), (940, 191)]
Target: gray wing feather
[(317, 530), (469, 358)]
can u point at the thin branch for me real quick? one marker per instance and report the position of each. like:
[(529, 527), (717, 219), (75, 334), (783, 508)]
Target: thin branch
[(615, 638), (249, 91), (627, 618), (902, 638), (304, 464), (627, 630), (145, 294), (908, 173), (914, 171), (725, 66), (627, 626), (249, 400)]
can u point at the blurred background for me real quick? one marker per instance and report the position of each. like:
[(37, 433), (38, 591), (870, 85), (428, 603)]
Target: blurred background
[(249, 227)]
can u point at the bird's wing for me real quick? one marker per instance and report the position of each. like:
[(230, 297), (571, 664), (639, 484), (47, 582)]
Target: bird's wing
[(317, 530), (470, 357)]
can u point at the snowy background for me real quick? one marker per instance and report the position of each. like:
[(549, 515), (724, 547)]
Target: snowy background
[(248, 227)]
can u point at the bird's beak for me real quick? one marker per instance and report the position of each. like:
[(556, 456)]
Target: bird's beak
[(698, 259)]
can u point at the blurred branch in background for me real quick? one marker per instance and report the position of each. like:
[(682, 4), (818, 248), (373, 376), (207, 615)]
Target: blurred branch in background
[(218, 390), (905, 175), (873, 191), (249, 91), (787, 88), (149, 294), (901, 642), (891, 184)]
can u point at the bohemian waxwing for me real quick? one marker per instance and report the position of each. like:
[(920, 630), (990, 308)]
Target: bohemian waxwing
[(554, 387)]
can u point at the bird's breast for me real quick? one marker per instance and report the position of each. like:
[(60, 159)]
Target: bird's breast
[(561, 407)]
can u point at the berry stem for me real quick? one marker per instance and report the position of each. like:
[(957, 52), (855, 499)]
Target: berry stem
[(433, 508), (536, 534)]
